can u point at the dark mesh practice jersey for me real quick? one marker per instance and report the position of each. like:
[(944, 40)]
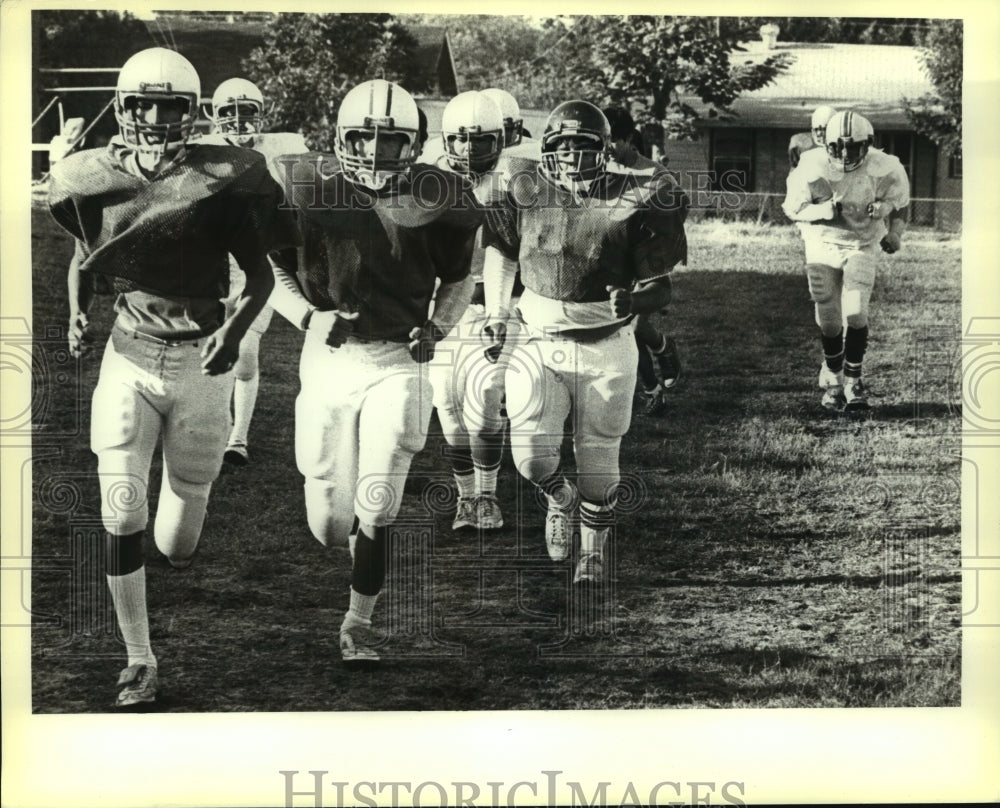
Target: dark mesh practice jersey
[(379, 255), (630, 228), (171, 234)]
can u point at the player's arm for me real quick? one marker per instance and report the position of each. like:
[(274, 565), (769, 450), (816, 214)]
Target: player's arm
[(799, 205), (502, 243), (222, 348), (81, 296), (893, 207), (287, 298)]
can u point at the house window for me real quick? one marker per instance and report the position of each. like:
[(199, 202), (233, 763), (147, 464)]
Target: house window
[(955, 165), (732, 160)]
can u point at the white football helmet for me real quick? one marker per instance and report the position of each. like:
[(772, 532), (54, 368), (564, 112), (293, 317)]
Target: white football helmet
[(512, 120), (238, 110), (820, 117), (156, 74), (848, 137), (372, 111), (472, 132)]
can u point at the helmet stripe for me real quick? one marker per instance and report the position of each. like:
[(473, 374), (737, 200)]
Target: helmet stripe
[(848, 124), (388, 98), (371, 99)]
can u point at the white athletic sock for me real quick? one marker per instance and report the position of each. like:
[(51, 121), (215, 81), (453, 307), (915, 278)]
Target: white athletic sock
[(362, 606), (595, 524), (244, 401), (486, 479), (562, 495), (466, 485), (128, 593)]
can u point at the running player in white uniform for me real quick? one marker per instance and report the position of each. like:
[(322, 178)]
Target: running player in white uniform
[(380, 231), (157, 218), (468, 380), (583, 238), (842, 197), (238, 120)]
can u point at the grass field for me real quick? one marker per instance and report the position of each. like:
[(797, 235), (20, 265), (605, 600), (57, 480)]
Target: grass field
[(771, 555)]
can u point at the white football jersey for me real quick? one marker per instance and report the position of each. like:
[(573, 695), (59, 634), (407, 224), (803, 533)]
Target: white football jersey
[(881, 178)]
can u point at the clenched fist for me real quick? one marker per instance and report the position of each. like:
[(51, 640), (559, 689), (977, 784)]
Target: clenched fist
[(621, 301), (334, 326), (423, 338)]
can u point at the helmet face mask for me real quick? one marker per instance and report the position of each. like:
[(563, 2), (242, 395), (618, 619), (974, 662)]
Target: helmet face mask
[(820, 117), (156, 101), (850, 136), (238, 110), (575, 147), (472, 133), (378, 135), (513, 123)]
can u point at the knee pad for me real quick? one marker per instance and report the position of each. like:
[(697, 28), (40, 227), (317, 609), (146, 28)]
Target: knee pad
[(535, 462), (329, 512), (598, 474), (859, 280), (822, 283)]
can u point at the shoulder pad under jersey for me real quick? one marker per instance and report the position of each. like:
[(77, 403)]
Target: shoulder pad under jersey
[(813, 164), (879, 164)]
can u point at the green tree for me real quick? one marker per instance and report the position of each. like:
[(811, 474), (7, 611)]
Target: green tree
[(938, 115), (309, 62), (655, 64)]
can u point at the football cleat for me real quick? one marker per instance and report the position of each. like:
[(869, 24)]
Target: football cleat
[(589, 569), (236, 455), (827, 378), (670, 363), (833, 398), (855, 395), (465, 513), (558, 532), (356, 644), (488, 516), (654, 402), (136, 685)]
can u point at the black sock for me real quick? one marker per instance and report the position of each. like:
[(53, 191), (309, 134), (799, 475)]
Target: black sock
[(122, 554), (368, 573), (855, 345), (833, 351), (647, 374)]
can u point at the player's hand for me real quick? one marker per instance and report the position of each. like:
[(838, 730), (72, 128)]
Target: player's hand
[(494, 333), (423, 338), (891, 243), (221, 351), (877, 210), (333, 326), (79, 337), (621, 300)]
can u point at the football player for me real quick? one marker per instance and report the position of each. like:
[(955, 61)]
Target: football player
[(849, 199), (237, 117), (626, 143), (595, 248), (380, 231), (815, 138), (468, 381), (513, 123), (159, 217)]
